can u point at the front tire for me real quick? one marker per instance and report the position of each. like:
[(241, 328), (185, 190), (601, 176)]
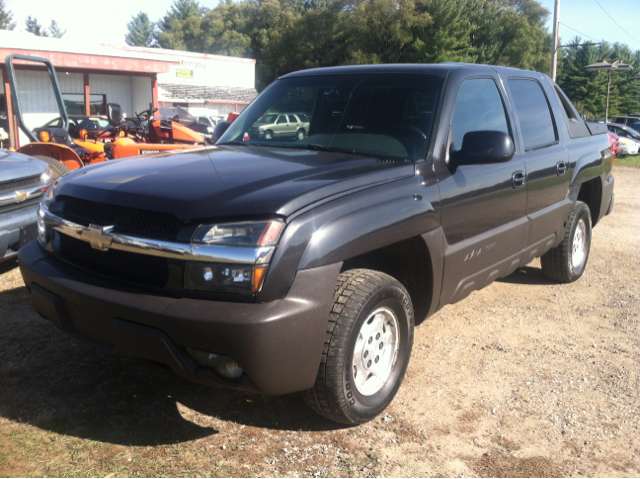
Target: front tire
[(367, 348), (268, 135), (566, 263)]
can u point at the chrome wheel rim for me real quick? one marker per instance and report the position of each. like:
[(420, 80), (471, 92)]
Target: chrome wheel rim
[(579, 244), (376, 351)]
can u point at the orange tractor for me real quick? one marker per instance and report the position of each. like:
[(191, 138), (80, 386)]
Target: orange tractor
[(63, 154)]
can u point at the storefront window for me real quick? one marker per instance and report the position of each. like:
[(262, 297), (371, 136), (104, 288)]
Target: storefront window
[(74, 103)]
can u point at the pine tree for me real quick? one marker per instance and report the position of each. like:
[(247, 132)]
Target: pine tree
[(34, 27), (6, 18), (55, 30), (141, 31)]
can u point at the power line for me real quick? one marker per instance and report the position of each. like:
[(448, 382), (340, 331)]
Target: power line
[(583, 34), (637, 41)]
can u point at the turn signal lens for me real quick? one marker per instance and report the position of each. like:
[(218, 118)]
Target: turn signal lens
[(83, 134), (44, 136), (258, 278), (121, 134)]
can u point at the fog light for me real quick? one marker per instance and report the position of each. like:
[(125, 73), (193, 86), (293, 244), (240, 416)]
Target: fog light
[(222, 365)]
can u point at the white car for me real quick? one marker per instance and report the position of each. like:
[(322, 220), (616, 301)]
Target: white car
[(629, 138)]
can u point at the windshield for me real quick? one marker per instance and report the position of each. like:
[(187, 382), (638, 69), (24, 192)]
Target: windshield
[(385, 115)]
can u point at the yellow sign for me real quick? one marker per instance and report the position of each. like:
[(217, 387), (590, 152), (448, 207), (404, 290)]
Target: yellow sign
[(182, 73)]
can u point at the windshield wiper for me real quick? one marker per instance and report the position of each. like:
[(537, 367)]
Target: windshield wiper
[(316, 147), (235, 143)]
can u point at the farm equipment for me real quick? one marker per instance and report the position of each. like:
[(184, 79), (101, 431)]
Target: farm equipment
[(62, 153)]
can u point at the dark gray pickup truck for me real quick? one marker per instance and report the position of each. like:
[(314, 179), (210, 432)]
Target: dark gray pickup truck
[(302, 264), (23, 181)]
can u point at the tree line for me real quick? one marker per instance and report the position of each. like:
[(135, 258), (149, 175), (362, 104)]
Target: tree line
[(31, 24), (289, 35)]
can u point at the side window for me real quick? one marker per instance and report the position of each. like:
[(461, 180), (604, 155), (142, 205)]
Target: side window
[(534, 115), (281, 119), (479, 107), (292, 119)]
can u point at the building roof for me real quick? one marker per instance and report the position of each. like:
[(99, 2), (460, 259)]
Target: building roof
[(67, 54), (201, 93)]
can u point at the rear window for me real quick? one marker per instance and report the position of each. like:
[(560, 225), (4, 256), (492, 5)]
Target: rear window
[(535, 117)]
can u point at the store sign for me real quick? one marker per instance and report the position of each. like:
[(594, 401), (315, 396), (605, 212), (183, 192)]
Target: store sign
[(183, 73)]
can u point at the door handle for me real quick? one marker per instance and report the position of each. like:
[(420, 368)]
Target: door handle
[(518, 179), (561, 167)]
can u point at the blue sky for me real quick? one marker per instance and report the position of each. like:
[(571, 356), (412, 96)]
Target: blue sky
[(105, 22)]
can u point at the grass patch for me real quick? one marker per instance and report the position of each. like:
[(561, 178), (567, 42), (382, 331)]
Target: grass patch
[(628, 161)]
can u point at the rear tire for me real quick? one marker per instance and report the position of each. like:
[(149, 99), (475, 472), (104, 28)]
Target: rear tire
[(367, 348), (566, 263), (300, 134), (58, 169)]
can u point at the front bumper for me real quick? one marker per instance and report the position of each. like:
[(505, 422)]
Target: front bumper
[(17, 227), (278, 344)]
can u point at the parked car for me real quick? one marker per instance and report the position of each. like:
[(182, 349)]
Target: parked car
[(628, 138), (614, 141), (277, 266), (23, 182), (630, 121), (280, 125)]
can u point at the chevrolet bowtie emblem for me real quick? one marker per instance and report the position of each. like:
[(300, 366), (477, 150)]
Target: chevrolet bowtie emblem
[(21, 196), (98, 236)]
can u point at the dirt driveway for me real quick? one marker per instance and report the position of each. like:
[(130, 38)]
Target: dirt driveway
[(524, 378)]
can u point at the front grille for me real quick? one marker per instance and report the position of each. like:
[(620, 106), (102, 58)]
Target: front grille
[(125, 220), (136, 268), (21, 184), (17, 206)]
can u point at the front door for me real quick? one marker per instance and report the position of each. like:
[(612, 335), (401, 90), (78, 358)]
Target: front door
[(483, 206)]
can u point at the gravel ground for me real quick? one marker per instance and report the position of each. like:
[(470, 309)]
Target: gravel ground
[(524, 378)]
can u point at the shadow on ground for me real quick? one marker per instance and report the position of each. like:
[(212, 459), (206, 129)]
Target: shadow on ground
[(526, 275), (56, 383), (8, 265)]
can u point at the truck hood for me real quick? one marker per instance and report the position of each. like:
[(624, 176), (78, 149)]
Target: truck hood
[(14, 166), (230, 181)]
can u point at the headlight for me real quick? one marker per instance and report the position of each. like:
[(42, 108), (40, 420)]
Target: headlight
[(46, 178), (219, 277), (258, 233), (47, 199)]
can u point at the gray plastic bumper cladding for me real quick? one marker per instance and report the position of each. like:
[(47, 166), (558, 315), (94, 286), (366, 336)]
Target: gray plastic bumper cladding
[(278, 344), (17, 228)]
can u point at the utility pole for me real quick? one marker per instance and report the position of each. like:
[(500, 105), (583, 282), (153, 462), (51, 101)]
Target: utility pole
[(556, 35)]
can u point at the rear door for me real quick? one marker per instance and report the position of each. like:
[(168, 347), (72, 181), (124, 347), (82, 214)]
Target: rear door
[(545, 156), (281, 128)]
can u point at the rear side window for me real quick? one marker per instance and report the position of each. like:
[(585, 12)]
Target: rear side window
[(281, 119), (478, 107), (292, 119), (536, 120)]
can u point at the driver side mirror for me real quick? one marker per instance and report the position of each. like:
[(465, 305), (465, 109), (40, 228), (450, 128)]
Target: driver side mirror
[(221, 127), (483, 147), (114, 114)]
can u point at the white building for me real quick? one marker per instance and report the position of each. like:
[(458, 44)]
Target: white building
[(92, 75)]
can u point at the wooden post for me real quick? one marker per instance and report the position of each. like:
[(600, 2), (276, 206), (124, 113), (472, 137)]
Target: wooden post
[(87, 95), (154, 91), (14, 138)]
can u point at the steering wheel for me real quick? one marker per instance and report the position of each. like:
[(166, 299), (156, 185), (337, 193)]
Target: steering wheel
[(402, 130), (146, 114), (410, 136)]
